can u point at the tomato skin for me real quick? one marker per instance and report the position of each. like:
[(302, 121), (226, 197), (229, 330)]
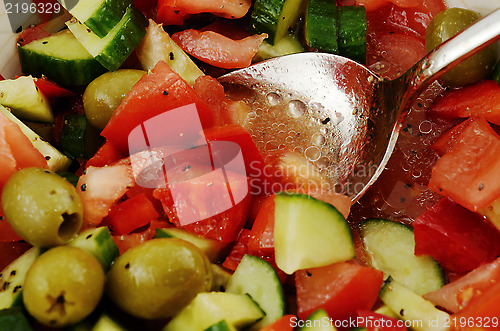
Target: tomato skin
[(468, 174), (457, 294), (390, 324), (105, 155), (127, 241), (51, 89), (156, 93), (341, 289), (477, 100), (457, 238), (131, 214), (218, 50)]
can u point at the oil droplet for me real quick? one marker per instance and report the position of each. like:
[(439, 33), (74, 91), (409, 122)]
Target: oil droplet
[(323, 162), (313, 153), (296, 108), (318, 139), (425, 127), (273, 99)]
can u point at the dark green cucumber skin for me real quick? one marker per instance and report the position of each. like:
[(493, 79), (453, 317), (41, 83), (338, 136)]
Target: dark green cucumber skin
[(352, 32), (107, 16), (64, 72), (265, 17), (322, 27), (221, 326), (73, 136), (114, 58), (14, 319)]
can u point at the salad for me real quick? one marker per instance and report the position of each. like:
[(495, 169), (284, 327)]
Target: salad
[(136, 193)]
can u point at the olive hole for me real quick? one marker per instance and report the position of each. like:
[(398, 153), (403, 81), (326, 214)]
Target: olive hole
[(69, 227)]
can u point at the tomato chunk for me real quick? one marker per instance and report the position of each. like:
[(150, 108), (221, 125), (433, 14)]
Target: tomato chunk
[(444, 144), (477, 100), (174, 12), (262, 233), (285, 323), (457, 295), (457, 238), (51, 89), (131, 214), (218, 50), (11, 251), (341, 289), (468, 174), (157, 93)]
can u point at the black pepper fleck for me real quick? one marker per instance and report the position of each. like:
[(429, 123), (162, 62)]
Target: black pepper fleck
[(171, 56), (17, 288), (127, 266), (308, 274), (326, 120), (83, 187), (165, 93), (13, 273), (480, 187), (89, 236), (402, 312)]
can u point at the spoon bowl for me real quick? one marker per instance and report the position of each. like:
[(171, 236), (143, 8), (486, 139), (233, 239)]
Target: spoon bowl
[(355, 113)]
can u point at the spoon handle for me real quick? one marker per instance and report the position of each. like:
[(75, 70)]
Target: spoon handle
[(451, 53)]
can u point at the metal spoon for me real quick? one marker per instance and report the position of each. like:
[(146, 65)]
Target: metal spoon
[(363, 112)]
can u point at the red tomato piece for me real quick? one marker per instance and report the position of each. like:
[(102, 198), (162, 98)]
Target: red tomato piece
[(11, 251), (480, 312), (203, 199), (127, 241), (444, 144), (457, 238), (174, 12), (51, 89), (477, 100), (254, 162), (1, 77), (100, 188), (7, 234), (145, 5), (240, 248), (156, 93), (262, 234), (16, 150), (372, 320), (457, 295), (131, 214), (105, 155), (218, 50), (285, 323), (374, 4), (341, 289), (31, 34), (468, 173)]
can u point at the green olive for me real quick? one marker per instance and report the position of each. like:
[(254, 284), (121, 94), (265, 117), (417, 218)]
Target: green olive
[(445, 25), (63, 286), (105, 93), (42, 207), (158, 278)]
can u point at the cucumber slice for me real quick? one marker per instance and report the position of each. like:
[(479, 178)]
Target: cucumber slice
[(318, 321), (220, 278), (12, 278), (289, 44), (100, 16), (56, 160), (207, 309), (221, 326), (309, 233), (390, 247), (213, 249), (78, 138), (14, 319), (61, 58), (99, 243), (410, 306), (157, 46), (352, 32), (112, 50), (26, 101), (274, 17), (258, 279), (321, 25)]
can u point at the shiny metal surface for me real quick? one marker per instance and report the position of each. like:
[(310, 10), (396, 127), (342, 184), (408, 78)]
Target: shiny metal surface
[(364, 111)]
